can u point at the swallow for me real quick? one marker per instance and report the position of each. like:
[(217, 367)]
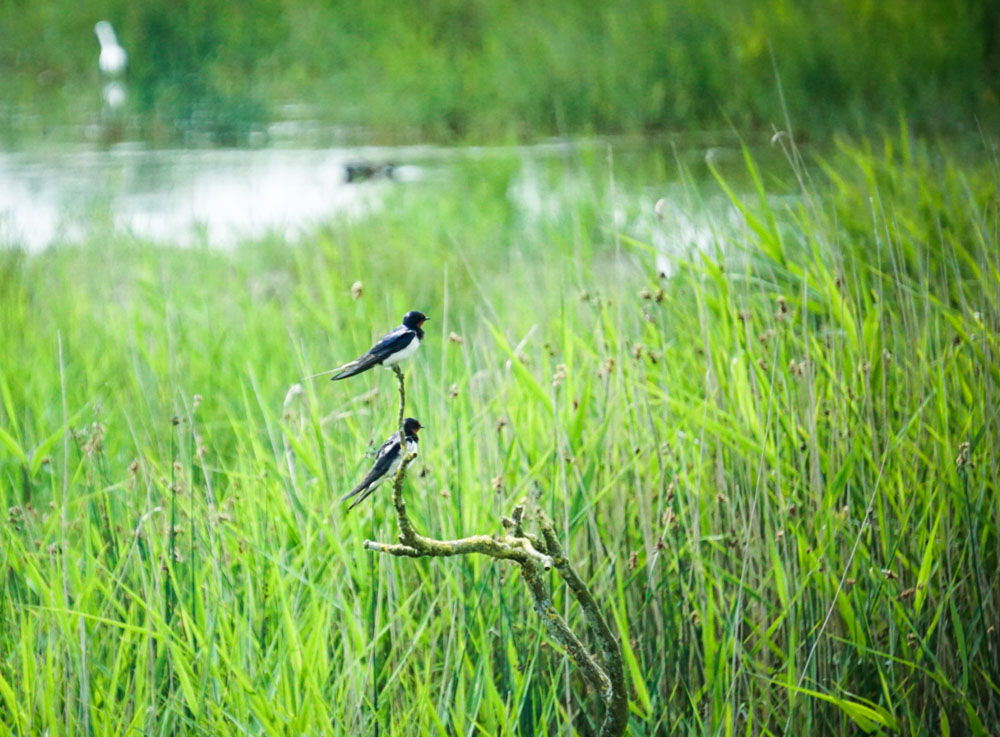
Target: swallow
[(387, 461), (395, 346)]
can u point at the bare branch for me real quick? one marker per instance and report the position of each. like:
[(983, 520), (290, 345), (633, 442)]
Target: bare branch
[(534, 555), (615, 696), (516, 549), (402, 396)]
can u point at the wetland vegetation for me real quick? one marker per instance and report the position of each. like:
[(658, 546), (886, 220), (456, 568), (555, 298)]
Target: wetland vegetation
[(756, 388)]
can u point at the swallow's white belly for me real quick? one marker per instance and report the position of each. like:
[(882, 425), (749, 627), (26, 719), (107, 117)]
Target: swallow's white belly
[(403, 354)]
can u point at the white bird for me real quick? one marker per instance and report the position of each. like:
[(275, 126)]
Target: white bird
[(113, 94), (113, 59)]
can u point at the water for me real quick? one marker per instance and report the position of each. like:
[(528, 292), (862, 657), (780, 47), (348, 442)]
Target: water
[(183, 196), (220, 197)]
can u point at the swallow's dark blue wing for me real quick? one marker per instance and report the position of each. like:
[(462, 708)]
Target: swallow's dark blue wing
[(394, 342), (386, 456), (387, 446), (389, 344)]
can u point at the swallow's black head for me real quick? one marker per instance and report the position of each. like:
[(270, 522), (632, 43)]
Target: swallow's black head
[(414, 319), (411, 426)]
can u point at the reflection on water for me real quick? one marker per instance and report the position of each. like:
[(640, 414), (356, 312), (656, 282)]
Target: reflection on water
[(180, 196), (646, 202), (219, 197)]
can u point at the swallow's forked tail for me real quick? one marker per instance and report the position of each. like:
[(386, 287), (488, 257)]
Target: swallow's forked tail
[(355, 367)]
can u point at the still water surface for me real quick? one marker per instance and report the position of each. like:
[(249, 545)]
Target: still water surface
[(180, 196), (220, 197)]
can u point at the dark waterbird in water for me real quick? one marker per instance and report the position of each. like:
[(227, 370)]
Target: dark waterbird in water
[(360, 171)]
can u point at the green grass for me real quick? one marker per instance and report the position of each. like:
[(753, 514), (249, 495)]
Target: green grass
[(757, 460)]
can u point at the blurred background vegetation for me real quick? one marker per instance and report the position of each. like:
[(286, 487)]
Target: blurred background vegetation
[(471, 69)]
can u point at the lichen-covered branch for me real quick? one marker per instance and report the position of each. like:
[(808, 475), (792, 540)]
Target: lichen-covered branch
[(615, 695), (534, 555), (596, 676), (406, 532), (608, 680), (518, 550)]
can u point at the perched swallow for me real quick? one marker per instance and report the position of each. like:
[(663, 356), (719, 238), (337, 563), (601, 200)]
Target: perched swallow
[(387, 461), (394, 347)]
